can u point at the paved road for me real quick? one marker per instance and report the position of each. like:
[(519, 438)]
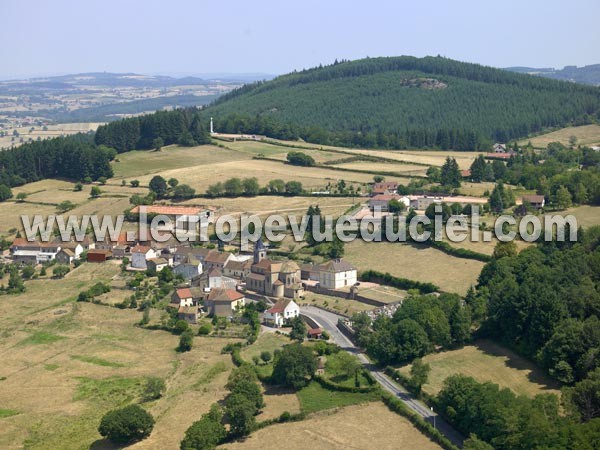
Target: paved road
[(328, 321)]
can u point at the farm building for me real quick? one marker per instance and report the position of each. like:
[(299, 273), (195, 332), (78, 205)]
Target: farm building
[(98, 255), (536, 201)]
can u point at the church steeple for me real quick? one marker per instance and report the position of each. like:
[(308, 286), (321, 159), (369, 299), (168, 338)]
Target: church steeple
[(260, 252)]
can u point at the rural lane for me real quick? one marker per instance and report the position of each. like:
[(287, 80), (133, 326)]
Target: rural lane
[(328, 322)]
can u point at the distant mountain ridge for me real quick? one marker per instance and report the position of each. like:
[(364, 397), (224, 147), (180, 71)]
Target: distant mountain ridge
[(585, 75)]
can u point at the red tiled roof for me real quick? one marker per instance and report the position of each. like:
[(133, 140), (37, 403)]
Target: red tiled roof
[(315, 331), (279, 307), (184, 293), (140, 249), (228, 295)]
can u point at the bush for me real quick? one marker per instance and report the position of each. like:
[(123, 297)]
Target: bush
[(125, 425), (205, 329), (186, 341), (180, 327), (60, 271), (155, 387)]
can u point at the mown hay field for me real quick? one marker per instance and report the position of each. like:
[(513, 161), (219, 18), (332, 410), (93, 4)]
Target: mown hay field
[(487, 361), (585, 134), (416, 263), (371, 425)]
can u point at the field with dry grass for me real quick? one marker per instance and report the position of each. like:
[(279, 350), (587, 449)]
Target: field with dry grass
[(201, 176), (487, 361), (429, 157), (371, 425), (416, 263), (585, 134), (70, 362)]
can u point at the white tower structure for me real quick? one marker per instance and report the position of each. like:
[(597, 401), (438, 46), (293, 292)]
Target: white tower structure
[(211, 126)]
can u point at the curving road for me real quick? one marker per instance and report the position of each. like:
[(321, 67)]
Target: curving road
[(328, 322)]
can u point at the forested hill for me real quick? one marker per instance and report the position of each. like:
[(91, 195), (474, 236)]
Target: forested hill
[(405, 101)]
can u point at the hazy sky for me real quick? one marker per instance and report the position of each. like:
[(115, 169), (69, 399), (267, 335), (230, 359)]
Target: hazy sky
[(276, 36)]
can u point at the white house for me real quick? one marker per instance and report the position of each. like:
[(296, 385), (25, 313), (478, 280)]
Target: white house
[(182, 297), (140, 254), (283, 311), (336, 274)]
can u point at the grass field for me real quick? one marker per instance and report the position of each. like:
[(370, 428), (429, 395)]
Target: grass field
[(587, 216), (342, 305), (486, 361), (586, 135), (202, 175), (354, 427), (429, 157), (405, 170), (416, 263), (279, 152), (316, 398), (137, 163), (86, 359)]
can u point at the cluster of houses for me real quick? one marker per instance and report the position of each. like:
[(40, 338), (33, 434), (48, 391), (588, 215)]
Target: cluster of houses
[(386, 191), (216, 282)]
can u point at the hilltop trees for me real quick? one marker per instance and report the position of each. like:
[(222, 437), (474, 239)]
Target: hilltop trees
[(153, 131), (73, 157)]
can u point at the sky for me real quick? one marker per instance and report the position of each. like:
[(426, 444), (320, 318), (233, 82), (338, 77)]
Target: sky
[(184, 37)]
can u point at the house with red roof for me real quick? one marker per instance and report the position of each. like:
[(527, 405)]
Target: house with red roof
[(281, 312)]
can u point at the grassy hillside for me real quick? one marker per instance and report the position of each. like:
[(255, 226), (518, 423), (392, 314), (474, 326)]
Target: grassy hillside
[(405, 101)]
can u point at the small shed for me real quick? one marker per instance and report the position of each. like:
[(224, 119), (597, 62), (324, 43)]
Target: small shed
[(98, 256)]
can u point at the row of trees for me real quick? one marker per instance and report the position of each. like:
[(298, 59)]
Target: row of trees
[(235, 187)]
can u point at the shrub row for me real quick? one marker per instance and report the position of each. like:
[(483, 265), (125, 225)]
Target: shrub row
[(328, 384), (397, 282), (283, 418), (458, 252)]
